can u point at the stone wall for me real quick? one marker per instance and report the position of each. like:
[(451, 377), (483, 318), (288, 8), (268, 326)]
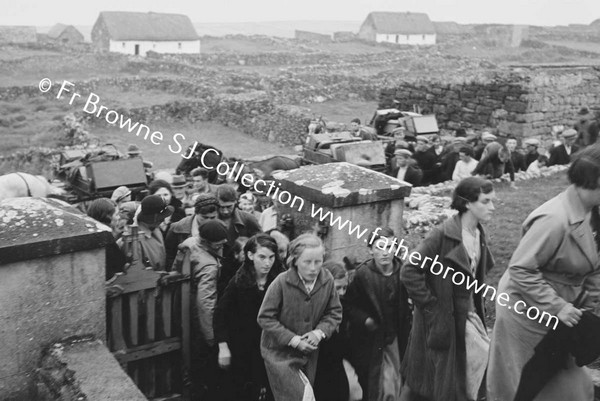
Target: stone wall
[(522, 103), (253, 113)]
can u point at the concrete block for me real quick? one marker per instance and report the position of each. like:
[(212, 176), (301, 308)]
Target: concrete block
[(63, 281), (11, 285), (8, 356), (16, 388), (48, 326)]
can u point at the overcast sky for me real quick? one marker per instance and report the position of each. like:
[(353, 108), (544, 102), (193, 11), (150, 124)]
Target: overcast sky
[(82, 12)]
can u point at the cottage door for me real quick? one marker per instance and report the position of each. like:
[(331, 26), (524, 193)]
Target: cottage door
[(137, 50)]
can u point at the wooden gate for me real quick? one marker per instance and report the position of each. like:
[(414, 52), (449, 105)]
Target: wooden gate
[(148, 324)]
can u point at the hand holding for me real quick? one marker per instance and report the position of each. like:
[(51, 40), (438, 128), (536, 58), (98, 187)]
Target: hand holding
[(306, 347), (569, 315), (312, 339)]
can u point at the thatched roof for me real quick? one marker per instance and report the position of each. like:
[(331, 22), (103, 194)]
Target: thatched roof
[(58, 29), (400, 23), (447, 28), (148, 26)]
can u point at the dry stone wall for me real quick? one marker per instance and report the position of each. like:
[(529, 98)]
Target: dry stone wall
[(522, 103), (253, 113)]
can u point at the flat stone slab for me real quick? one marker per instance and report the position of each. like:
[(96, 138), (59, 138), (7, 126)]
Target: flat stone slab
[(32, 228), (341, 184), (97, 374)]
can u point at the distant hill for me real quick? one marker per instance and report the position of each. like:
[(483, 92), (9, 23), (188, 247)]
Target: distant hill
[(284, 29)]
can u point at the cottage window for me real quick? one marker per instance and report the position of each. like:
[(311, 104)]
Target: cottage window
[(123, 45), (154, 45), (407, 38), (423, 37), (179, 45)]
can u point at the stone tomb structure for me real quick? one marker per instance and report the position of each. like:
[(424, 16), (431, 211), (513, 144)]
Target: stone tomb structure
[(52, 277), (360, 199), (521, 102)]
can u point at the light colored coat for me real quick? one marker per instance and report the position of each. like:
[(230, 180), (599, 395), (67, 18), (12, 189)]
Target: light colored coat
[(555, 260), (288, 310)]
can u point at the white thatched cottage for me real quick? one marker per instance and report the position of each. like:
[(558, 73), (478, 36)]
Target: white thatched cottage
[(400, 28), (138, 33)]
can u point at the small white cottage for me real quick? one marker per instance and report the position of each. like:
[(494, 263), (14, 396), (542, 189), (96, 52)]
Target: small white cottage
[(137, 33), (400, 28)]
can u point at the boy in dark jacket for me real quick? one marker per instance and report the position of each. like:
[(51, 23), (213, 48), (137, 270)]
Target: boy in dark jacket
[(378, 311)]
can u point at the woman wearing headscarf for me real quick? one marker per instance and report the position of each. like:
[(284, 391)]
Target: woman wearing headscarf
[(555, 261), (447, 350)]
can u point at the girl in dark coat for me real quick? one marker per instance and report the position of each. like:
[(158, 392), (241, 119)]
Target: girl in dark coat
[(331, 382), (448, 347), (236, 329)]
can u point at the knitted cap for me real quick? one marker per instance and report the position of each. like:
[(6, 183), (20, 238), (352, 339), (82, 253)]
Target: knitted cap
[(213, 230)]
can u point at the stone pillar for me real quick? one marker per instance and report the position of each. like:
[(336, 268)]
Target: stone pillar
[(52, 263), (356, 199)]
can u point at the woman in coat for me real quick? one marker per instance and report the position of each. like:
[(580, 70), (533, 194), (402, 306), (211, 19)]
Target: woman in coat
[(236, 330), (301, 308), (556, 259), (447, 349)]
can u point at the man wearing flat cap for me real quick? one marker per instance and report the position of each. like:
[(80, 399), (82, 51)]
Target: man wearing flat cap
[(483, 148), (205, 208), (426, 159), (151, 213), (404, 170), (585, 136), (561, 154), (531, 146), (206, 252)]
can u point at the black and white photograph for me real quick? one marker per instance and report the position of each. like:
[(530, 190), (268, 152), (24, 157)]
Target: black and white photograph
[(320, 200)]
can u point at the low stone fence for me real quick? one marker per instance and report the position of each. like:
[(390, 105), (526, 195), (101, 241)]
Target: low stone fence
[(428, 206)]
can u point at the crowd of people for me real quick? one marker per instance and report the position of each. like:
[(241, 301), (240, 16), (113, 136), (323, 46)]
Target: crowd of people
[(274, 319), (424, 160)]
